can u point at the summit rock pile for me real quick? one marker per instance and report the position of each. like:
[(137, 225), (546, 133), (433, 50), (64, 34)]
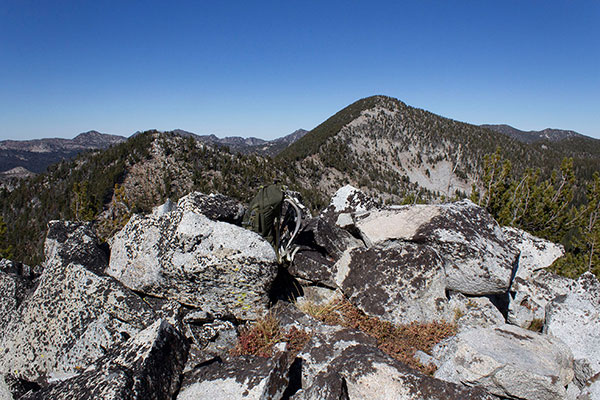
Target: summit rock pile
[(156, 313)]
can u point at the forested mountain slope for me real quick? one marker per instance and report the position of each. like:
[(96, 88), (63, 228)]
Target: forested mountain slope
[(394, 151)]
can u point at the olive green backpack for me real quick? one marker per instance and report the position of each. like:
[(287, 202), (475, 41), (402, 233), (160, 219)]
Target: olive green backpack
[(264, 214)]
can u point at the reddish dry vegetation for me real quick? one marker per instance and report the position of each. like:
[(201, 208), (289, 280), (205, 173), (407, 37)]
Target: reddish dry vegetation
[(399, 341), (259, 338)]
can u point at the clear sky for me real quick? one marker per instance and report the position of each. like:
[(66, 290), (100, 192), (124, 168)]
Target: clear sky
[(265, 69)]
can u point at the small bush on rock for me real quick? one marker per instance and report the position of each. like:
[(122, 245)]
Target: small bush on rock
[(399, 341), (259, 338)]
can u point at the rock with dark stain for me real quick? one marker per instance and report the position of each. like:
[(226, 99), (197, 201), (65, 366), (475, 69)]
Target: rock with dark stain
[(217, 207), (478, 259), (321, 244), (183, 255), (242, 377), (74, 315), (529, 297), (74, 242), (507, 361), (364, 372), (16, 283), (147, 366), (400, 283)]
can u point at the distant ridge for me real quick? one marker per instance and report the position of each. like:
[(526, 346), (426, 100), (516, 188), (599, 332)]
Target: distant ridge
[(551, 135), (249, 145), (36, 155)]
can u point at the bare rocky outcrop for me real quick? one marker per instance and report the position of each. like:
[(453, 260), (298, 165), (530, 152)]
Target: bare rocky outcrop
[(147, 366), (507, 361), (478, 258), (183, 255), (196, 276)]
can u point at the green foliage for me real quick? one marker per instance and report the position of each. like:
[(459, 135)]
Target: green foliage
[(6, 250), (547, 208), (81, 204)]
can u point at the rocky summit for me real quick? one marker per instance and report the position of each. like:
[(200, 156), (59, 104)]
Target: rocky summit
[(378, 302)]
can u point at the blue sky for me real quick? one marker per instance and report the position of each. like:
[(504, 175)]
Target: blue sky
[(265, 69)]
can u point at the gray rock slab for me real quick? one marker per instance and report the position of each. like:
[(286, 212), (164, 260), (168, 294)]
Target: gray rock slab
[(221, 268), (399, 283), (217, 207), (243, 377), (346, 202), (363, 372), (536, 253), (575, 319), (529, 297), (73, 316), (473, 312), (320, 246), (507, 361), (5, 393), (147, 366), (478, 258)]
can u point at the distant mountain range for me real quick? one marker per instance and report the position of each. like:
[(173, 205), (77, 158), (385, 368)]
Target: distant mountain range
[(36, 155), (551, 135), (249, 145)]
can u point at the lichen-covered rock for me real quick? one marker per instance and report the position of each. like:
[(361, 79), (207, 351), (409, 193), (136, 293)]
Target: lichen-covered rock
[(74, 315), (325, 344), (242, 377), (147, 366), (536, 253), (217, 207), (346, 202), (363, 372), (400, 283), (507, 361), (13, 289), (76, 243), (533, 287), (209, 341), (5, 393), (575, 319), (320, 247), (221, 268), (478, 259)]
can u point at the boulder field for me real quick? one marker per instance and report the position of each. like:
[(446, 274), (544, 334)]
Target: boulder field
[(157, 312)]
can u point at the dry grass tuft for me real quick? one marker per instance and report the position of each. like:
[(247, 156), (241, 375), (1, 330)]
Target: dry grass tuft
[(399, 341), (259, 338)]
